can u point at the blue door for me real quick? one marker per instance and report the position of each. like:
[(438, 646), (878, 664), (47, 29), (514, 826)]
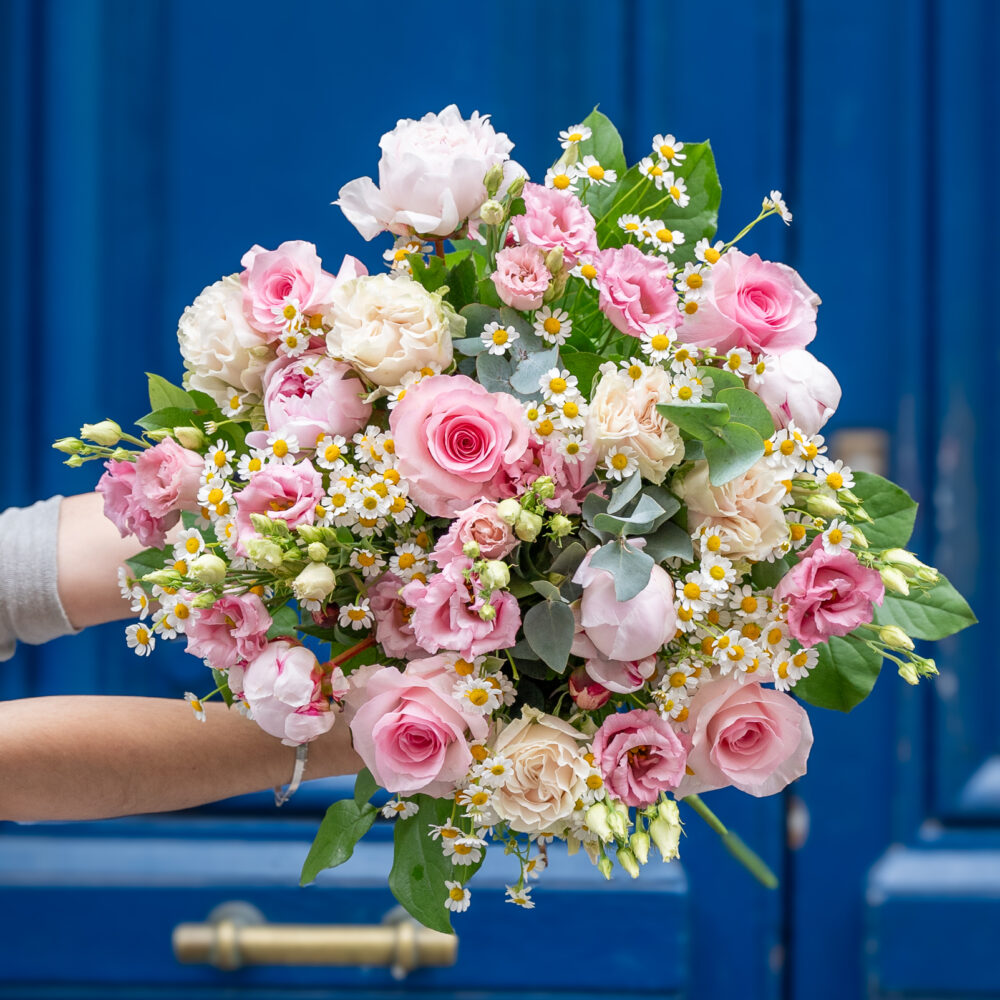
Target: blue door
[(149, 144)]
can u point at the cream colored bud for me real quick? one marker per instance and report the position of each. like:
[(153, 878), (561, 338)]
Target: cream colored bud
[(894, 637), (824, 506), (314, 583), (909, 673), (69, 446), (492, 212), (493, 179), (597, 820), (927, 574), (160, 434), (901, 557), (627, 860), (203, 600), (161, 578), (471, 549), (556, 287), (858, 538), (605, 867), (318, 551), (894, 581), (208, 569), (516, 186), (74, 461), (123, 455), (190, 437), (560, 526), (262, 523), (509, 511), (106, 433), (618, 820), (264, 552), (487, 612), (528, 525), (544, 487), (639, 843), (665, 830), (495, 574), (554, 259)]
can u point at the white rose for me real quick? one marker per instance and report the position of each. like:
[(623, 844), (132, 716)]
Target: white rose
[(430, 176), (748, 507), (223, 354), (548, 773), (623, 413), (798, 388), (314, 582), (388, 326)]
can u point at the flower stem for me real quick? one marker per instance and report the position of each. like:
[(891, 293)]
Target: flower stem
[(439, 248), (349, 654)]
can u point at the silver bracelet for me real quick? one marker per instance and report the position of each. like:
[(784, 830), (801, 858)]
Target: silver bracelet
[(282, 796)]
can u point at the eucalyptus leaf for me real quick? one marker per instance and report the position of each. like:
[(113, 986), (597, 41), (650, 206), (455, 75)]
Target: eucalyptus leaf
[(568, 559), (722, 378), (927, 614), (548, 629), (547, 590), (732, 454), (629, 566), (646, 516), (494, 373), (530, 371), (344, 824), (843, 677), (477, 318), (699, 420), (623, 493), (669, 541), (746, 407), (469, 346), (890, 507)]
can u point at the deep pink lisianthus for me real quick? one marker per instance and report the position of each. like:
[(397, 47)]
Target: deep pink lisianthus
[(753, 738), (636, 290), (521, 277), (446, 613), (762, 306), (118, 488), (828, 594), (167, 478), (231, 631), (272, 278), (478, 523), (556, 219), (411, 732), (639, 756), (288, 493), (453, 438), (393, 630)]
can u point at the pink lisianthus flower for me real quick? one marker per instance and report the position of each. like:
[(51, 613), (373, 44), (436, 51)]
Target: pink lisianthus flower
[(828, 594), (453, 439), (231, 631), (755, 304), (393, 628), (553, 219), (411, 731), (796, 388), (572, 480), (639, 756), (478, 523), (273, 278), (117, 486), (587, 694), (753, 738), (288, 493), (167, 478), (446, 613), (283, 685), (636, 291), (521, 277)]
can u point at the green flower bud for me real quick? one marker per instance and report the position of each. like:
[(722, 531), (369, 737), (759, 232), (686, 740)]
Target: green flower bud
[(894, 581), (554, 259), (471, 549), (850, 497), (556, 287), (264, 552), (639, 843), (74, 461), (208, 569), (528, 525), (492, 212), (824, 506), (318, 551), (618, 820), (106, 433), (493, 180), (560, 526), (160, 434), (927, 574), (314, 583), (309, 533), (627, 860), (205, 600), (123, 455), (901, 558), (487, 612), (665, 830), (161, 578), (262, 523), (516, 186), (68, 446), (544, 487), (858, 537), (597, 820), (495, 574), (509, 511), (909, 673), (894, 637), (190, 437)]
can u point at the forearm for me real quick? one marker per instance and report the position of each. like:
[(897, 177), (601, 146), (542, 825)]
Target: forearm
[(95, 757)]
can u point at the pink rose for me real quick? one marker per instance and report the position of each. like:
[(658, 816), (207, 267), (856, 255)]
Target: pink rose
[(313, 395), (639, 756), (446, 613), (586, 693), (828, 594), (453, 438), (117, 486), (625, 630), (521, 277), (555, 219), (273, 278), (167, 478), (283, 686), (288, 493), (753, 738), (411, 732), (393, 630), (480, 524), (762, 306), (636, 290), (796, 388), (232, 630)]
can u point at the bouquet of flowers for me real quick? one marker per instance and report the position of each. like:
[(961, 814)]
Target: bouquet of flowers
[(546, 518)]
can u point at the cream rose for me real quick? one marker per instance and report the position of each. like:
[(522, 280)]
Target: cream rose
[(623, 413), (388, 326), (223, 354), (548, 773), (747, 507)]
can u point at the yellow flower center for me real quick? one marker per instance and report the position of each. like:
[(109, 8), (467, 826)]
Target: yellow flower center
[(712, 255), (181, 611), (234, 402), (142, 637), (787, 447), (572, 447), (289, 312), (551, 326), (659, 342), (797, 531), (717, 573), (589, 271), (561, 181), (667, 152), (595, 171), (332, 452), (215, 496), (181, 567), (751, 631), (836, 536), (783, 669), (280, 448), (634, 372), (685, 392), (656, 170), (594, 781), (545, 428), (557, 385), (665, 235), (690, 308), (457, 894), (675, 192), (478, 697), (749, 605), (407, 560), (571, 410), (678, 679), (500, 337), (398, 505), (357, 614), (692, 591), (835, 481), (619, 462), (774, 636), (192, 545), (479, 752), (366, 559)]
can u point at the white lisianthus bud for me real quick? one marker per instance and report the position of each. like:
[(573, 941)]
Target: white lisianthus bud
[(597, 820), (528, 525), (627, 860), (68, 446), (205, 600), (318, 551), (262, 523), (894, 580), (309, 533), (471, 549), (74, 461), (554, 259), (560, 526), (824, 506), (160, 434), (495, 574), (509, 511), (894, 637), (605, 867), (516, 186), (208, 569), (901, 557), (492, 182), (618, 820), (191, 437), (492, 212), (487, 612), (106, 433), (909, 673), (927, 574), (639, 843), (665, 830), (858, 537), (161, 578), (264, 553), (123, 455), (544, 487), (314, 583)]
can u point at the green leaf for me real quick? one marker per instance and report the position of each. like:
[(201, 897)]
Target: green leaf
[(700, 420), (169, 416), (846, 673), (568, 559), (731, 454), (645, 516), (668, 541), (623, 493), (148, 561), (284, 622), (364, 787), (462, 284), (547, 590), (927, 614), (891, 508), (770, 574), (493, 372), (530, 371), (222, 683), (419, 867), (721, 378), (344, 824), (548, 629), (163, 394), (629, 566), (432, 273), (746, 407), (584, 366)]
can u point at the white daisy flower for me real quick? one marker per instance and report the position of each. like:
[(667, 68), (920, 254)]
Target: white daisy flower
[(493, 771), (791, 668), (498, 337), (589, 169), (464, 850), (713, 539), (557, 385), (250, 464), (739, 361), (370, 563), (408, 559), (519, 897), (562, 177), (140, 638), (331, 451), (293, 343), (652, 170), (196, 706), (572, 415), (632, 367), (708, 252), (687, 389), (668, 149), (220, 458), (458, 898), (479, 693), (282, 447), (446, 831), (777, 202), (676, 188), (620, 463), (665, 239), (631, 224), (397, 809), (234, 405), (838, 537), (189, 544), (574, 134), (397, 257), (138, 601), (693, 592), (681, 679), (586, 271), (553, 325), (356, 616), (718, 572), (657, 344), (837, 476), (572, 447)]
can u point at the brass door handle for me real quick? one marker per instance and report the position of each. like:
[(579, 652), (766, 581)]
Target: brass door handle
[(236, 935)]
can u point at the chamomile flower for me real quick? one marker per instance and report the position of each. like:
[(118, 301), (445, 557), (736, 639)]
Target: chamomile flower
[(371, 502), (293, 343), (665, 239), (498, 337), (196, 706), (712, 539), (573, 135), (790, 668), (476, 798), (685, 358), (739, 361), (837, 476), (668, 149), (331, 451), (631, 225), (233, 405), (493, 772), (776, 201), (282, 447), (177, 610), (681, 678), (553, 325), (219, 458), (838, 538), (572, 415), (458, 898), (774, 636), (546, 426), (216, 499), (140, 638), (398, 257), (572, 447), (562, 177), (813, 452), (718, 572), (356, 616), (408, 559), (586, 271), (478, 694), (676, 188), (557, 386), (189, 544), (250, 464), (138, 601), (747, 603), (653, 170), (464, 850), (657, 344), (693, 593), (620, 463), (370, 563), (519, 897), (708, 252), (632, 367), (691, 281), (671, 705), (397, 809), (590, 170), (534, 867), (687, 389), (162, 626)]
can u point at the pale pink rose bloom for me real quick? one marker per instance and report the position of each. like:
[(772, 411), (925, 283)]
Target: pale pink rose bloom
[(625, 630), (636, 290), (167, 478), (272, 278), (117, 486), (828, 594), (521, 277), (586, 693), (393, 630), (752, 738), (553, 219), (445, 616), (411, 732), (639, 756), (431, 176), (572, 480), (283, 687), (478, 523), (232, 630), (453, 439), (798, 389), (288, 493), (762, 306)]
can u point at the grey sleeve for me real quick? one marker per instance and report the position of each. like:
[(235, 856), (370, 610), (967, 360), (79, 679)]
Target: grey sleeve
[(30, 609)]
